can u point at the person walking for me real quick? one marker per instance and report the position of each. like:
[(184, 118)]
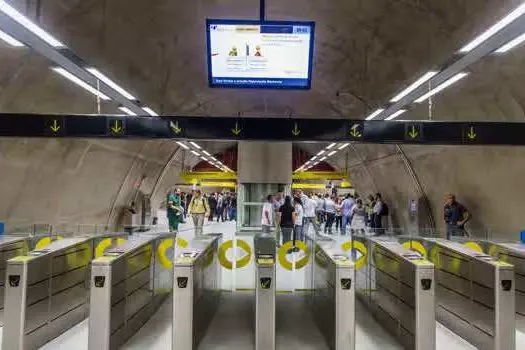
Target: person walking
[(329, 210), (310, 217), (346, 212), (338, 215), (455, 217), (299, 215), (174, 210), (370, 204), (198, 209), (286, 219), (267, 215), (380, 210), (232, 212)]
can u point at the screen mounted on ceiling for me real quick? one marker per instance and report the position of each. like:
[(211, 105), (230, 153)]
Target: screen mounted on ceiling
[(251, 54)]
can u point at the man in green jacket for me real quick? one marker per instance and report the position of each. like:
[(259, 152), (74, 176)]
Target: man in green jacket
[(175, 210)]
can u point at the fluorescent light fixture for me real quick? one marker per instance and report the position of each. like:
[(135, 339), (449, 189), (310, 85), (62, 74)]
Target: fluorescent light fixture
[(196, 153), (10, 40), (331, 146), (442, 87), (313, 158), (204, 158), (195, 145), (24, 21), (320, 153), (127, 110), (511, 44), (79, 82), (511, 17), (206, 153), (344, 146), (397, 114), (182, 145), (323, 159), (414, 86), (150, 111), (110, 83), (375, 114), (332, 153)]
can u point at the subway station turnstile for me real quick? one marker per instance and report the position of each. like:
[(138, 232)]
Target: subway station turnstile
[(46, 291), (475, 294), (265, 270), (398, 287), (196, 290), (125, 291), (332, 297)]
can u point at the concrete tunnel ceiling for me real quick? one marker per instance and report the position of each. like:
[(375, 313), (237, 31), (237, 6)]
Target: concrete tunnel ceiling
[(365, 52)]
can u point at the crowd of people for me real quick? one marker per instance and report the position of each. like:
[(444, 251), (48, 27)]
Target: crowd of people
[(200, 206), (294, 215)]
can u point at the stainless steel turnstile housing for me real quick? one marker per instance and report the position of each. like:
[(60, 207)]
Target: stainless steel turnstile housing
[(47, 292), (475, 295), (333, 295), (265, 250), (196, 290), (124, 293), (398, 287)]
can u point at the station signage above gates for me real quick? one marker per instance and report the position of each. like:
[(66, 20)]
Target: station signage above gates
[(271, 129)]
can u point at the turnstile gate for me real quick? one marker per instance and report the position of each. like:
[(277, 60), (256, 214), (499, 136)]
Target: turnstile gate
[(475, 294), (332, 298), (124, 291), (398, 286), (265, 247), (46, 292), (196, 290)]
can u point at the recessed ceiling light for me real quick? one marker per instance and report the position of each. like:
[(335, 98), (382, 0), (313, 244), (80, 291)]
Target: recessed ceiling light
[(196, 153), (397, 114), (110, 83), (320, 153), (150, 111), (442, 87), (332, 153), (344, 146), (195, 145), (331, 146), (127, 111), (414, 86), (182, 145)]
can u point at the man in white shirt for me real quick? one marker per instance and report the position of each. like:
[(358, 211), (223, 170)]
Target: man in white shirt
[(310, 217), (267, 214)]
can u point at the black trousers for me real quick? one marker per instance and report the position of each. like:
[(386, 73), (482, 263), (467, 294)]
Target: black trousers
[(330, 217)]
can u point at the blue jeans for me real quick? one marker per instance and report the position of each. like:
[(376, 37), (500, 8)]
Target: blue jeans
[(347, 219)]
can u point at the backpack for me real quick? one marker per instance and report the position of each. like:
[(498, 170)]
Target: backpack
[(384, 210)]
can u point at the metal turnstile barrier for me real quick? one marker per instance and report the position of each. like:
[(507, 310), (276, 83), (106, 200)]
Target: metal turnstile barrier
[(332, 298), (10, 247), (265, 270), (46, 291), (475, 294), (397, 286), (196, 290), (124, 291)]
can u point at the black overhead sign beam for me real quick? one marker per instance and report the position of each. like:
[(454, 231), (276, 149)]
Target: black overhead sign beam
[(270, 129)]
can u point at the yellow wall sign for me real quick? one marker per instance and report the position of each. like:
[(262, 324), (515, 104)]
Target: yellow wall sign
[(360, 247), (241, 262), (283, 255)]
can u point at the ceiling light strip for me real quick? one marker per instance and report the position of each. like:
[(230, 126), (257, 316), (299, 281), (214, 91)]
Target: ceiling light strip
[(110, 83), (375, 114), (26, 23), (442, 87), (127, 111), (397, 114), (10, 40), (505, 21), (150, 111), (80, 82), (511, 44), (414, 86)]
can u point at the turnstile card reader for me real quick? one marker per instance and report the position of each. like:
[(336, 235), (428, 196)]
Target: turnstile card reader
[(196, 290), (265, 252), (333, 296)]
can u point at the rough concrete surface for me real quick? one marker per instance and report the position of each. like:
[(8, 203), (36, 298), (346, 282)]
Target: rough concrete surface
[(365, 52)]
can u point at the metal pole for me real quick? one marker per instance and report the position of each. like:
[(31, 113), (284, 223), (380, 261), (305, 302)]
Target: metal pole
[(262, 11)]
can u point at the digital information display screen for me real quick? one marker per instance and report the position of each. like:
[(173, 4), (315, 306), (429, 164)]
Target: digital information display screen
[(251, 54)]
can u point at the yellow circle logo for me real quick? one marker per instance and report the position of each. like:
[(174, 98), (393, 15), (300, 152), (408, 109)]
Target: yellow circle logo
[(241, 262), (474, 246), (106, 243), (283, 255), (417, 247), (44, 242), (361, 248), (163, 248)]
